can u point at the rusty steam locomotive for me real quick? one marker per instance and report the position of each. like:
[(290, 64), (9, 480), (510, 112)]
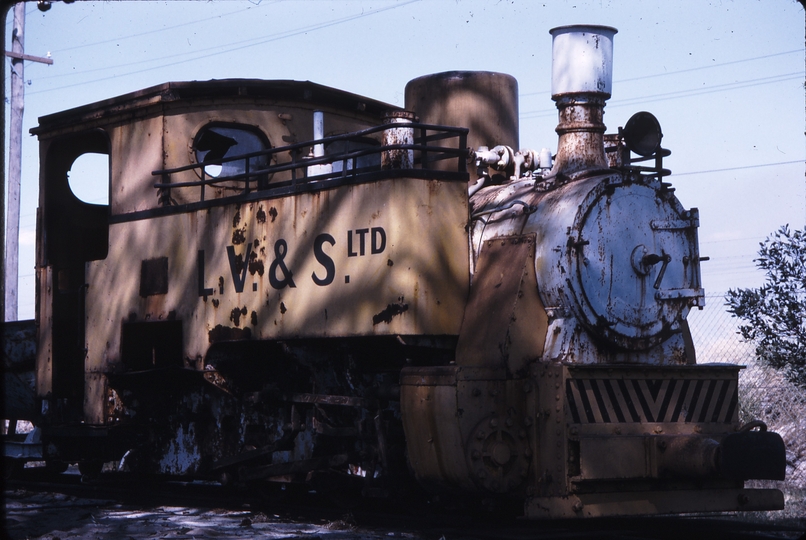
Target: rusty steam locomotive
[(295, 284)]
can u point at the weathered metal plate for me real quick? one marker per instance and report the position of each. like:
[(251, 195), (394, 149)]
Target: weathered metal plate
[(505, 323), (346, 262)]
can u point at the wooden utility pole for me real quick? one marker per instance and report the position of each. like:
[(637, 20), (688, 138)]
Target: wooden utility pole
[(15, 161), (18, 58)]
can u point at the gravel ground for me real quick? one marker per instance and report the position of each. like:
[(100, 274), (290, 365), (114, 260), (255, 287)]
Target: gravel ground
[(45, 515), (56, 516)]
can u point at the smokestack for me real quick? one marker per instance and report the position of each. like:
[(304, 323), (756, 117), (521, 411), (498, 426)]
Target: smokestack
[(581, 82)]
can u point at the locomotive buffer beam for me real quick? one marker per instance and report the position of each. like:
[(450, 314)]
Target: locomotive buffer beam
[(295, 467)]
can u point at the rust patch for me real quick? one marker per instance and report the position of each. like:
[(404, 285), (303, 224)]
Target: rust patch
[(226, 333), (235, 315), (389, 262), (220, 284), (261, 215), (387, 314), (239, 264), (255, 264), (237, 219), (256, 243), (215, 302), (282, 308), (238, 237), (273, 213), (254, 318)]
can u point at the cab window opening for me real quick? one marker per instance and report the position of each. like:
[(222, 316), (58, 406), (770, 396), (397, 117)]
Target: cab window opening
[(220, 141)]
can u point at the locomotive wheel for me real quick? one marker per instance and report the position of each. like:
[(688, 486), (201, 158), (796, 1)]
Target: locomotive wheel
[(498, 455)]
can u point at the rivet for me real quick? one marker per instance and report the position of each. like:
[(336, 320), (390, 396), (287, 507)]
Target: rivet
[(509, 422), (494, 423)]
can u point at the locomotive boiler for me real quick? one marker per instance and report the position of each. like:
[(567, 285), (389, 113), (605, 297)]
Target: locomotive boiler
[(298, 285)]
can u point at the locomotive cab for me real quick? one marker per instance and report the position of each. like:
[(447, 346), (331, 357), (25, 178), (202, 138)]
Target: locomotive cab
[(228, 237)]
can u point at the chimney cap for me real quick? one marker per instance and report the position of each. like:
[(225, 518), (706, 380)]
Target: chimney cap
[(582, 60)]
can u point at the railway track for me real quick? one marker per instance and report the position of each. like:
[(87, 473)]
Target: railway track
[(63, 506)]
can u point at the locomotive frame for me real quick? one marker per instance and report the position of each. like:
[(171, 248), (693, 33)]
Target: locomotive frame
[(355, 305)]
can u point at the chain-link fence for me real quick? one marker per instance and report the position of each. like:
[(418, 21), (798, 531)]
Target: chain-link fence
[(764, 394)]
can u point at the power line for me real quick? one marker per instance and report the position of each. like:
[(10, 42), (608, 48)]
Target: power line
[(232, 47), (682, 93), (158, 30), (741, 168), (732, 240), (699, 68)]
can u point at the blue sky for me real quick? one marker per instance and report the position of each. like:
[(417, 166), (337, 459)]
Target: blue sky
[(724, 78)]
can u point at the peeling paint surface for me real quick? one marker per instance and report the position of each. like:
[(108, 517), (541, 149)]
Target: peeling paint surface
[(182, 455)]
